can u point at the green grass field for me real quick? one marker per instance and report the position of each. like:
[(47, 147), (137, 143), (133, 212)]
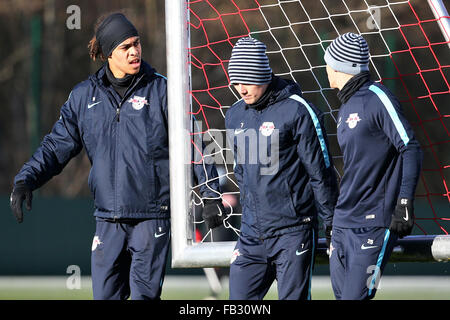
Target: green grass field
[(196, 288)]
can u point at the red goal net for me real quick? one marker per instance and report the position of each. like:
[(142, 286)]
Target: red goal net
[(410, 54)]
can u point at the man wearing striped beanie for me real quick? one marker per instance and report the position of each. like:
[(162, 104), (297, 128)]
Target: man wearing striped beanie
[(382, 161), (285, 175), (249, 63)]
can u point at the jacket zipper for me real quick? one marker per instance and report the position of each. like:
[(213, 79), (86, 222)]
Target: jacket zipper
[(117, 139), (257, 118), (127, 93), (118, 114)]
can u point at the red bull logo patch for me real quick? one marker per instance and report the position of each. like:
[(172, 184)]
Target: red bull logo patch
[(353, 120), (267, 128), (138, 102)]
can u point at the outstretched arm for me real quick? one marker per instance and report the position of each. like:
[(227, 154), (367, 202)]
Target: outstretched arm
[(55, 151)]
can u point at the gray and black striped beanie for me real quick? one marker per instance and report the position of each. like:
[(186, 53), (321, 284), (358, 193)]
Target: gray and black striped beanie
[(348, 53), (249, 63)]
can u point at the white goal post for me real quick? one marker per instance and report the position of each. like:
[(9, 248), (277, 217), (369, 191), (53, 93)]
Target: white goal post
[(186, 251)]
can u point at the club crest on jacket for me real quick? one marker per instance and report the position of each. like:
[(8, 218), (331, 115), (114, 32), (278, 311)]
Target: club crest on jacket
[(138, 102), (267, 128), (353, 120)]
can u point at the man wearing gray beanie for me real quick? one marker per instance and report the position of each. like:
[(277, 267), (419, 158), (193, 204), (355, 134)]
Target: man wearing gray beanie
[(281, 196), (382, 162)]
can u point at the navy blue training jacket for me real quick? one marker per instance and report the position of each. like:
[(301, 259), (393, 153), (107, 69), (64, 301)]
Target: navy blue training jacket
[(126, 141), (281, 195), (382, 159)]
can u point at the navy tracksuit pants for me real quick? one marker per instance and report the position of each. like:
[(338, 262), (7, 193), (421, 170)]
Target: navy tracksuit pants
[(129, 257), (357, 260), (288, 258)]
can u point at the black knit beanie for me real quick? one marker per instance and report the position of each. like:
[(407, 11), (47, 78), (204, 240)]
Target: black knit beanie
[(115, 29)]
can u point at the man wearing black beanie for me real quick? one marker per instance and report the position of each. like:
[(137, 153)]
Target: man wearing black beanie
[(119, 114)]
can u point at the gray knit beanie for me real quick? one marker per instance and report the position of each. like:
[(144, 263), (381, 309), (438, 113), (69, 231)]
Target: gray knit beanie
[(249, 63), (348, 53)]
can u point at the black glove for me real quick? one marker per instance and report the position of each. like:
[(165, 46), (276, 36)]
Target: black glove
[(328, 235), (213, 213), (20, 192), (403, 218)]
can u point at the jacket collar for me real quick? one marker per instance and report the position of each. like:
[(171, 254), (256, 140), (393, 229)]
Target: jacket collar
[(280, 89), (100, 78)]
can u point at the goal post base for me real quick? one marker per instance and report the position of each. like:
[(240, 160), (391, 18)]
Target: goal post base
[(204, 255), (416, 248)]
